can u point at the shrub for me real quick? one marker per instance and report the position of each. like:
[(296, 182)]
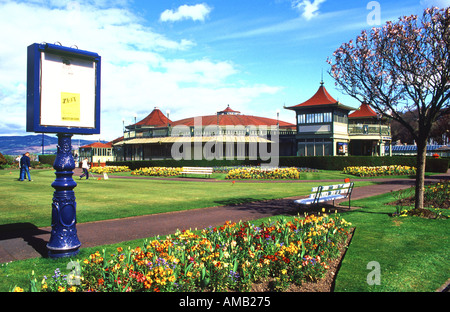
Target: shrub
[(261, 173), (47, 159), (110, 169), (158, 171), (380, 171), (3, 160)]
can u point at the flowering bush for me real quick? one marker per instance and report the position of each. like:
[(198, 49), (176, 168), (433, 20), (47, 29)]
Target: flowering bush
[(380, 171), (229, 257), (110, 169), (438, 194), (261, 173), (158, 171)]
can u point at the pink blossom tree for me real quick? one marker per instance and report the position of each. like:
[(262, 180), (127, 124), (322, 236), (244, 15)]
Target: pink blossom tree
[(400, 67)]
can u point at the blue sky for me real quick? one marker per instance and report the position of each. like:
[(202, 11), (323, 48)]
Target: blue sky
[(190, 57)]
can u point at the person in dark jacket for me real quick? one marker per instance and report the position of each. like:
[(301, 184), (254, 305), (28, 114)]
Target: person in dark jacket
[(25, 166)]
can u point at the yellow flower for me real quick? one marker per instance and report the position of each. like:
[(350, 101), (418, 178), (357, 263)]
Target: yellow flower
[(17, 289), (284, 271), (61, 289)]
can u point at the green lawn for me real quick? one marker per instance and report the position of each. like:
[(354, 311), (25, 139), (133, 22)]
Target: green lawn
[(30, 202), (413, 253)]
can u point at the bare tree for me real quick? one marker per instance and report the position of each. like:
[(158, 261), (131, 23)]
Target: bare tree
[(401, 67)]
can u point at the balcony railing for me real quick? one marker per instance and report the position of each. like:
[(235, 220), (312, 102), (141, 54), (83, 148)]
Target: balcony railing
[(220, 131), (369, 130)]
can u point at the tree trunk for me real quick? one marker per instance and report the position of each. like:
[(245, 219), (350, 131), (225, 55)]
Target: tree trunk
[(420, 174)]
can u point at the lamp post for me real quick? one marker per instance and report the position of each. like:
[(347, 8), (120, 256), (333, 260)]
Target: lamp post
[(64, 239), (52, 70)]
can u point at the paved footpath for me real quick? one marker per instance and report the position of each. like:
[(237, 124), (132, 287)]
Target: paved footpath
[(31, 242)]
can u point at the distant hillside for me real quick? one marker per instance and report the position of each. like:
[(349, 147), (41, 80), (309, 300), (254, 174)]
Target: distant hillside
[(18, 145)]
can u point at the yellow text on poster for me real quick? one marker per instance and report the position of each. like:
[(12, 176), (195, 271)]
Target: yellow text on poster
[(70, 106)]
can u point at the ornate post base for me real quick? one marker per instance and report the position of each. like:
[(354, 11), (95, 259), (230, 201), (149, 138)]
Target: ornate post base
[(64, 240)]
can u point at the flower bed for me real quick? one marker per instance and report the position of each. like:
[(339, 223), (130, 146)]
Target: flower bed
[(438, 194), (158, 171), (380, 171), (227, 258), (261, 173), (110, 169)]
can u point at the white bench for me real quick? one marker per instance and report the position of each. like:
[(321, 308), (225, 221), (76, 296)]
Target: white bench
[(327, 193), (197, 170)]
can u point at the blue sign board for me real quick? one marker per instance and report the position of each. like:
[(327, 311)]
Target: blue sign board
[(63, 90)]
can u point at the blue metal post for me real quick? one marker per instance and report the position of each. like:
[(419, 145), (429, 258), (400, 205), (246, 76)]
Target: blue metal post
[(64, 240)]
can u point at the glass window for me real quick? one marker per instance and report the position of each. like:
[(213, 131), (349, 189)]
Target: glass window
[(310, 149), (319, 118), (301, 119), (327, 149), (301, 149), (319, 149)]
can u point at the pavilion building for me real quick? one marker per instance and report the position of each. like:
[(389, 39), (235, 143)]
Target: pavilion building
[(226, 134), (97, 153), (322, 125), (325, 128), (370, 133)]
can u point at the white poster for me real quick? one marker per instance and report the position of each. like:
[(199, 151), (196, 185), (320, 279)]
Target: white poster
[(67, 91)]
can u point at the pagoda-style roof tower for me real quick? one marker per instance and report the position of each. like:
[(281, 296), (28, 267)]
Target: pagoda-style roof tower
[(364, 111), (320, 99), (155, 119)]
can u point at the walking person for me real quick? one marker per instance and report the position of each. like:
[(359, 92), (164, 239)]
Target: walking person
[(85, 167), (25, 165), (20, 167)]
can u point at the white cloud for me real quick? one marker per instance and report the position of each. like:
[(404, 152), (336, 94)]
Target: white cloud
[(196, 12), (307, 8), (200, 71), (137, 73)]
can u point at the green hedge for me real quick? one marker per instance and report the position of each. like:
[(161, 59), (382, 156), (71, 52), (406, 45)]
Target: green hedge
[(47, 159), (183, 163), (339, 163), (317, 162)]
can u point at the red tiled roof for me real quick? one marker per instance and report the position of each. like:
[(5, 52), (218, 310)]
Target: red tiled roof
[(98, 145), (229, 110), (156, 118), (322, 97), (363, 111), (232, 120), (119, 139)]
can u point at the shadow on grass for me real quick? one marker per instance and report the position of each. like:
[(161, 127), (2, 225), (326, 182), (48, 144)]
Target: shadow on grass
[(261, 207)]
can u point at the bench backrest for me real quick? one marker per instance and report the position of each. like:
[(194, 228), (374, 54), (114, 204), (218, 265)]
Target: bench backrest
[(202, 169), (330, 190)]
